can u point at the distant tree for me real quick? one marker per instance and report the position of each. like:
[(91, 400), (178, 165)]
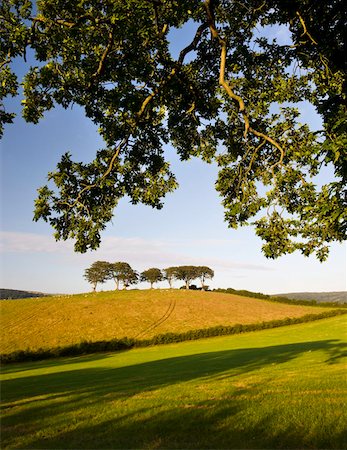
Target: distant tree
[(152, 275), (130, 277), (170, 275), (119, 272), (186, 274), (204, 273), (98, 272)]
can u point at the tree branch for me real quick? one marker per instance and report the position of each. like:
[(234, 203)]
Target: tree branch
[(178, 66), (145, 103), (227, 88), (305, 33), (101, 66)]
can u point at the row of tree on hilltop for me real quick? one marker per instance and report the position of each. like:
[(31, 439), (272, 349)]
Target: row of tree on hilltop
[(124, 275)]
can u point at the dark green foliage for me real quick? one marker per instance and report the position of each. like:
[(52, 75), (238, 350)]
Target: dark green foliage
[(98, 272), (204, 273), (152, 275), (186, 274), (215, 102), (82, 348), (122, 272), (167, 338), (169, 275)]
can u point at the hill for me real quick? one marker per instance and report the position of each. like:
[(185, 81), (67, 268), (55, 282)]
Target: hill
[(319, 297), (12, 294), (63, 320)]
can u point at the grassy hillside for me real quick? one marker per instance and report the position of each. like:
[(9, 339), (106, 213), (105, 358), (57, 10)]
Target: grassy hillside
[(272, 389), (59, 321)]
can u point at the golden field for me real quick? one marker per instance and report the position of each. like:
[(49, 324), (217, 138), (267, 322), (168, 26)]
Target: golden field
[(62, 320)]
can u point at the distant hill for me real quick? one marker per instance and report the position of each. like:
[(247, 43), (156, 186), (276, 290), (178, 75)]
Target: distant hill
[(319, 297), (11, 294)]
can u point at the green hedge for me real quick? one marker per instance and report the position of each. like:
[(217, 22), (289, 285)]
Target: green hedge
[(85, 347), (289, 301)]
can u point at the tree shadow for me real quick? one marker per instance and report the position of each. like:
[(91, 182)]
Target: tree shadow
[(62, 392), (205, 425)]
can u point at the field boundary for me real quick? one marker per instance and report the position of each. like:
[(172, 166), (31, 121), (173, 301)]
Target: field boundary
[(277, 299), (88, 347)]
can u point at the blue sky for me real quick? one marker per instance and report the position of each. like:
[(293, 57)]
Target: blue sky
[(190, 229)]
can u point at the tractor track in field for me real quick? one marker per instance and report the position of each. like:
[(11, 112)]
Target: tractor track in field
[(159, 321), (13, 325), (27, 318), (19, 322)]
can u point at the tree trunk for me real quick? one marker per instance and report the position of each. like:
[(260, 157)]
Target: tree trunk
[(187, 284), (151, 284), (94, 287)]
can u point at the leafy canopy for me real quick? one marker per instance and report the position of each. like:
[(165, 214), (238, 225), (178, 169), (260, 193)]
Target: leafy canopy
[(121, 272), (187, 274), (98, 272), (152, 275), (204, 273), (231, 97)]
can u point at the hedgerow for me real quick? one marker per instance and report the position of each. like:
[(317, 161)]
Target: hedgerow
[(88, 347), (289, 301)]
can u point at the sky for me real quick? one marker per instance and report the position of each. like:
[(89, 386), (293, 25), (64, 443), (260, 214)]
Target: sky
[(190, 229)]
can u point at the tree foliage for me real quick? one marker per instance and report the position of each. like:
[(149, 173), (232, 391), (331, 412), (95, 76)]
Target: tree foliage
[(121, 272), (169, 275), (99, 272), (152, 275), (130, 277), (186, 274), (204, 273), (124, 273), (231, 97)]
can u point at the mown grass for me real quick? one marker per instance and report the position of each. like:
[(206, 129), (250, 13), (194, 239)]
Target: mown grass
[(61, 321), (280, 388)]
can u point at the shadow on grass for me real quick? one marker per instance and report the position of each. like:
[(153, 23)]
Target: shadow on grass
[(215, 424), (60, 393)]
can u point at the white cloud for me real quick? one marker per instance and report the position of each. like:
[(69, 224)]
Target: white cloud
[(139, 252), (30, 242)]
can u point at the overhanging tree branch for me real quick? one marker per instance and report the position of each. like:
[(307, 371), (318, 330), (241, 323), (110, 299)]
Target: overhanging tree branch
[(227, 88), (144, 104)]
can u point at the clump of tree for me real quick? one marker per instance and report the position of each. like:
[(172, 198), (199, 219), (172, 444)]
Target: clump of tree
[(98, 272), (152, 275), (188, 274), (123, 274), (120, 272)]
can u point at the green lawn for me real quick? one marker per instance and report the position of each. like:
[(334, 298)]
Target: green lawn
[(280, 388)]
